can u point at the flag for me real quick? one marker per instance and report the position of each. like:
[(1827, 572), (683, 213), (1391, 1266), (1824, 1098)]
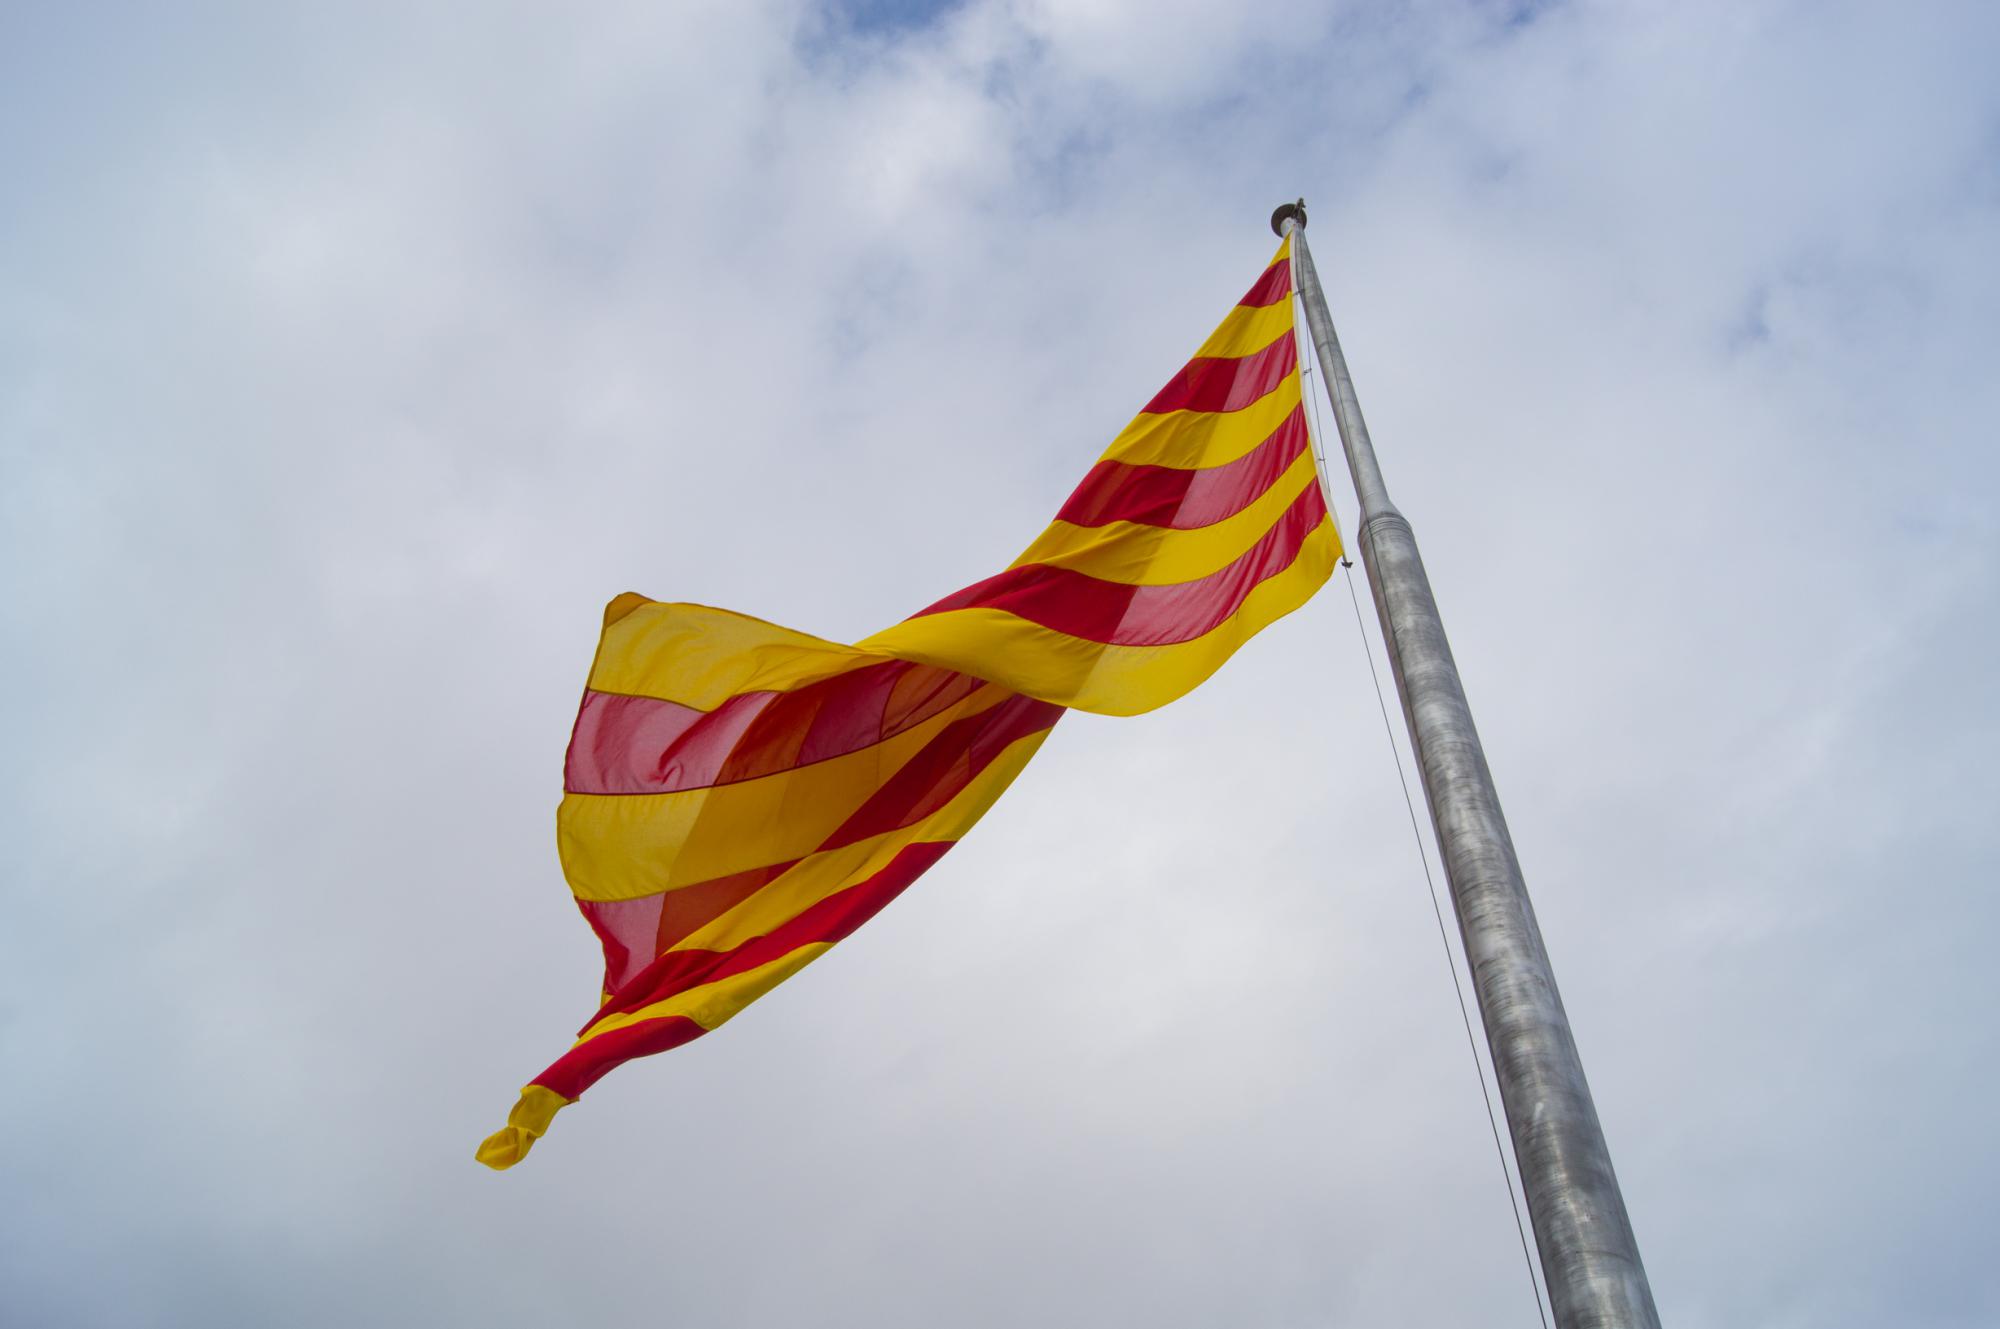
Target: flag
[(738, 797)]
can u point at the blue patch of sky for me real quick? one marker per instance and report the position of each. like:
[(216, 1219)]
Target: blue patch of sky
[(888, 17), (1521, 13), (1750, 328), (839, 38)]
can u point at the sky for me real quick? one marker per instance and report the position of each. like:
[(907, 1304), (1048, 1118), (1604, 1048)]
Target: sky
[(351, 357)]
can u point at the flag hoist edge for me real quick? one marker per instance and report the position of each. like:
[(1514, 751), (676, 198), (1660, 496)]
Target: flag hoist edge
[(739, 797)]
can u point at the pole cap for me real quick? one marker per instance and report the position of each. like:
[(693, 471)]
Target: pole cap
[(1295, 212)]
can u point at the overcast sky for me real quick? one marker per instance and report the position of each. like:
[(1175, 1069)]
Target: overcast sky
[(352, 356)]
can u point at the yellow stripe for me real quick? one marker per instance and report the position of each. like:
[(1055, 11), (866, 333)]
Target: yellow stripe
[(712, 1004), (1247, 329), (620, 846), (1195, 439), (701, 657), (1134, 554), (1090, 676), (823, 874)]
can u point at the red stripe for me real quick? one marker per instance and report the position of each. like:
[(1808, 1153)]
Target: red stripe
[(946, 764), (687, 909), (1184, 499), (634, 932), (1117, 615), (627, 930), (585, 1064), (1273, 286), (832, 718), (1210, 383), (828, 920), (642, 745)]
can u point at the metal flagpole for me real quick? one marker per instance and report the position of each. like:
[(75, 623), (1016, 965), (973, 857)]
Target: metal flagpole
[(1590, 1259)]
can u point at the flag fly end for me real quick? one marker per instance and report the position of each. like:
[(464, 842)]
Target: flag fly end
[(528, 1122)]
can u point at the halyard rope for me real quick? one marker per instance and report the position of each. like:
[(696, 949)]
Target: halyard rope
[(1423, 857)]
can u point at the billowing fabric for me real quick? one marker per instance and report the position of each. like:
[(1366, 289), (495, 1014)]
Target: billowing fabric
[(739, 797)]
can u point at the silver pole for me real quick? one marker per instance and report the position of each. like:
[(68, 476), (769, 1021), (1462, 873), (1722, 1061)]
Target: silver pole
[(1590, 1259)]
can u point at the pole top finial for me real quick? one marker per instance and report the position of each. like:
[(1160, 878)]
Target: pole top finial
[(1292, 212)]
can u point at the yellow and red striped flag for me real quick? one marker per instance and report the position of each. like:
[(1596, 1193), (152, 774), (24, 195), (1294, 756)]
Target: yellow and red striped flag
[(739, 797)]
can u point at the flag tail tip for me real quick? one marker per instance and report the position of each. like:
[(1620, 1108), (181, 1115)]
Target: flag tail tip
[(525, 1124)]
